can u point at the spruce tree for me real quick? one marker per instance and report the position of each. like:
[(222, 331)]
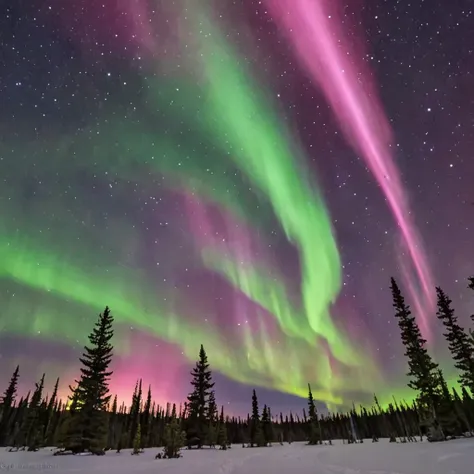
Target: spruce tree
[(461, 411), (8, 398), (446, 411), (212, 407), (87, 430), (222, 432), (267, 425), (291, 430), (49, 425), (16, 436), (173, 439), (256, 432), (458, 341), (113, 425), (314, 434), (211, 431), (51, 431), (211, 435), (422, 370), (31, 428), (199, 398), (146, 418), (137, 441), (134, 418), (8, 401), (255, 418)]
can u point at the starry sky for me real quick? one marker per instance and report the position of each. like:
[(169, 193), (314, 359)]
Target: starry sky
[(246, 175)]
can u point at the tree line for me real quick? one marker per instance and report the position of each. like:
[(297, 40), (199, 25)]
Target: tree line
[(92, 421)]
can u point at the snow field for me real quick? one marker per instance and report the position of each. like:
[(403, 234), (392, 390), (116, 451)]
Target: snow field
[(452, 457)]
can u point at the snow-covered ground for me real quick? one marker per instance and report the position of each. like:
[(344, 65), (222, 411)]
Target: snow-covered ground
[(452, 457)]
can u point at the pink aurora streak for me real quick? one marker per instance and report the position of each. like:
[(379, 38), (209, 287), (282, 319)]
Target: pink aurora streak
[(223, 232), (216, 229), (317, 36)]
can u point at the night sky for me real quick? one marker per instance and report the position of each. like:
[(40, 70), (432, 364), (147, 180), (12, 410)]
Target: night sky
[(243, 174)]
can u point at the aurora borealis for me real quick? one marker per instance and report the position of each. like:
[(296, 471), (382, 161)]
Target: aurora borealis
[(231, 174)]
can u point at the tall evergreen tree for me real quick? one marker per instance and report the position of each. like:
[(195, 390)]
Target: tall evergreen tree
[(88, 428), (8, 401), (461, 412), (422, 370), (446, 411), (255, 417), (146, 418), (199, 397), (54, 397), (212, 416), (112, 437), (8, 398), (212, 407), (21, 411), (31, 429), (137, 441), (222, 431), (135, 411), (256, 431), (49, 425), (267, 425), (314, 434), (458, 341)]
